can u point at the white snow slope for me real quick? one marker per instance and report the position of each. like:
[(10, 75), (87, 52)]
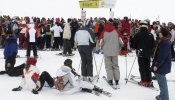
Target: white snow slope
[(48, 61)]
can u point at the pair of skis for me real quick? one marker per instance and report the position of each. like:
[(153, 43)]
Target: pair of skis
[(68, 55), (134, 81), (137, 77), (103, 92)]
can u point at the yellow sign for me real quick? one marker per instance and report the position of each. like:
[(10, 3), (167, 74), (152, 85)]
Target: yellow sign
[(89, 4)]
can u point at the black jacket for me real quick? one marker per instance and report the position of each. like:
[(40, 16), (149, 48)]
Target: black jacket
[(144, 43), (162, 57)]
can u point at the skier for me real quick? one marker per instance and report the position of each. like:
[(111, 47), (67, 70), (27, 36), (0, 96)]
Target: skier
[(144, 43), (111, 44), (162, 63), (85, 39)]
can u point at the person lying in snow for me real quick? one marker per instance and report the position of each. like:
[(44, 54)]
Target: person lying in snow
[(67, 83)]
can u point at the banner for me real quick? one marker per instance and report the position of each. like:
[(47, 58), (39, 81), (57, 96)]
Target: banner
[(97, 4), (89, 4), (107, 3)]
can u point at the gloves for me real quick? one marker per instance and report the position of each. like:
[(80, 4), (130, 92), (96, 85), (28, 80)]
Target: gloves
[(17, 89), (34, 91)]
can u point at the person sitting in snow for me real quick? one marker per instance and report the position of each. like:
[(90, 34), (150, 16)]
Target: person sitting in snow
[(67, 83), (30, 77), (10, 54)]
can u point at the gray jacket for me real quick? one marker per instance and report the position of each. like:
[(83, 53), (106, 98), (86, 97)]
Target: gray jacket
[(111, 43)]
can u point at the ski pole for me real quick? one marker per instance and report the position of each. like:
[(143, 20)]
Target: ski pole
[(79, 66), (95, 63), (130, 70), (100, 68), (126, 67)]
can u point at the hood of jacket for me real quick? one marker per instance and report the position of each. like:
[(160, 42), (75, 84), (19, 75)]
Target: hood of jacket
[(109, 27)]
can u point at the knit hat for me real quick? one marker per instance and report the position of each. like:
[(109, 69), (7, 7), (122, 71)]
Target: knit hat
[(68, 62), (144, 24), (31, 61), (164, 32)]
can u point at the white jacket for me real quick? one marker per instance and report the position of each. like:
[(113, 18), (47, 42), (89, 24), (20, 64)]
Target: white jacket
[(57, 30), (31, 33), (83, 37), (74, 85), (67, 31), (27, 79)]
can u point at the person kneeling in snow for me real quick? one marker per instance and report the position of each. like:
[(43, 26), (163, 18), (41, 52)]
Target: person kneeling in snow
[(66, 82), (30, 77)]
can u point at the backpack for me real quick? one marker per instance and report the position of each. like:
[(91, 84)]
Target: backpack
[(59, 83)]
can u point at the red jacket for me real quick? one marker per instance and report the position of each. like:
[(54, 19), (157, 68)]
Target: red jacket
[(126, 27)]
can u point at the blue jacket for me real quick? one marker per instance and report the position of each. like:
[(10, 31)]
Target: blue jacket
[(162, 58), (11, 48)]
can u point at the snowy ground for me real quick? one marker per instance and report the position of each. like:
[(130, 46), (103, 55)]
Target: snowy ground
[(48, 61)]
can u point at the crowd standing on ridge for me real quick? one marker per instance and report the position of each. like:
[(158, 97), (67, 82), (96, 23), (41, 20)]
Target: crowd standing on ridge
[(152, 42)]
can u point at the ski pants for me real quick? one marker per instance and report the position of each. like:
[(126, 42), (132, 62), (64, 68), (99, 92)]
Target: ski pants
[(144, 68), (67, 47), (48, 41), (45, 77), (112, 68), (57, 42), (86, 60), (31, 45), (17, 71)]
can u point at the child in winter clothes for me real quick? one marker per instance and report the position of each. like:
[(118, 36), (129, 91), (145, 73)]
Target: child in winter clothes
[(162, 64), (30, 76)]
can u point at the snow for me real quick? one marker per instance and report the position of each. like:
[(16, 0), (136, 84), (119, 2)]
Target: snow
[(48, 61)]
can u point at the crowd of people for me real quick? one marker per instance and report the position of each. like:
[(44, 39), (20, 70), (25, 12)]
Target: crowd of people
[(111, 37)]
